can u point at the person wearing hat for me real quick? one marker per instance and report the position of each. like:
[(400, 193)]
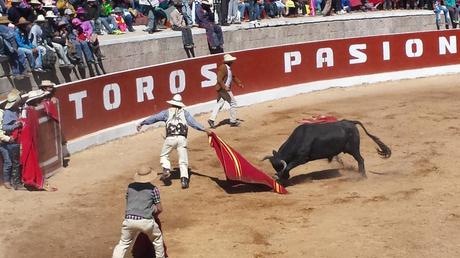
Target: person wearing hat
[(205, 19), (15, 11), (4, 140), (225, 78), (11, 126), (37, 8), (176, 119), (25, 45), (142, 205), (8, 34)]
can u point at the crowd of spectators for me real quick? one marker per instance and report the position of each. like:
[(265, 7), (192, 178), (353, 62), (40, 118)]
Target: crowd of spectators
[(35, 34)]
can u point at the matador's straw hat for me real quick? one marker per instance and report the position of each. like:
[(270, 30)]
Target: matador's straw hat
[(229, 58), (144, 174), (176, 101)]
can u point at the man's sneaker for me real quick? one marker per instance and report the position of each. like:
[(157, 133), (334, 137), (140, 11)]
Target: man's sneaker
[(235, 124), (165, 176), (184, 182), (211, 123)]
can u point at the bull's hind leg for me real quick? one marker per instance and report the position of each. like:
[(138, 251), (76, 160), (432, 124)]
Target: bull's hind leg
[(360, 160)]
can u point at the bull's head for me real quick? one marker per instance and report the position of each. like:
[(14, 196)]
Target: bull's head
[(279, 165)]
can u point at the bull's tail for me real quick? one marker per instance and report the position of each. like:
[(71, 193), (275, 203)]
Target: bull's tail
[(383, 150)]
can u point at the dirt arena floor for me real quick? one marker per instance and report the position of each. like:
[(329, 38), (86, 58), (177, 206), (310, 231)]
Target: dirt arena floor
[(408, 206)]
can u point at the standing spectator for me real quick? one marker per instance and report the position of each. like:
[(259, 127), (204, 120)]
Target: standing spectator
[(178, 23), (438, 8), (177, 119), (186, 11), (453, 12), (142, 205), (205, 19), (225, 77), (26, 47), (11, 126), (233, 16)]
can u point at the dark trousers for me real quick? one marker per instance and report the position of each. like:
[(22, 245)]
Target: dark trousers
[(223, 16), (13, 151)]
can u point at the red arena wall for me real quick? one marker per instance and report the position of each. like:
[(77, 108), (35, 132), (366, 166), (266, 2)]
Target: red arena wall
[(94, 104)]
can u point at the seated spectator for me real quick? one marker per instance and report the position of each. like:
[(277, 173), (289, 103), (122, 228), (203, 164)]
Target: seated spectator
[(37, 9), (149, 6), (80, 39), (118, 15), (36, 36), (59, 43), (106, 18), (179, 24), (233, 12), (205, 19), (438, 8), (16, 59), (15, 12), (63, 5), (26, 47)]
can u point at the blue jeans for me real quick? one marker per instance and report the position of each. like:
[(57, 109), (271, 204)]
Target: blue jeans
[(83, 47), (187, 12), (13, 152), (26, 53), (6, 163), (437, 10), (254, 10)]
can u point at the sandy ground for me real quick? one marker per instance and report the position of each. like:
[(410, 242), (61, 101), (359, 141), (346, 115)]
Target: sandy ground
[(408, 206)]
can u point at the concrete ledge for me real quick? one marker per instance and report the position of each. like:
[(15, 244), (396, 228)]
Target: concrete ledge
[(129, 128)]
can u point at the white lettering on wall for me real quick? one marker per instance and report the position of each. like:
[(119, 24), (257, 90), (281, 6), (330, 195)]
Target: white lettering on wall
[(386, 50), (211, 76), (324, 55), (177, 81), (291, 59), (359, 56), (78, 97), (447, 45), (411, 44), (113, 88), (144, 86)]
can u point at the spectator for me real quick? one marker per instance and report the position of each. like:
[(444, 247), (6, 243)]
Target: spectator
[(176, 119), (36, 36), (186, 12), (148, 7), (11, 126), (57, 41), (142, 205), (26, 47), (15, 12), (63, 5), (118, 15), (438, 8), (453, 12), (233, 16), (36, 9), (80, 39), (178, 23), (225, 78), (106, 18), (205, 19), (16, 59)]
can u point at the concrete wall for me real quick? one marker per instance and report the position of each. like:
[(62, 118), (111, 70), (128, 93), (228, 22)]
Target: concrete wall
[(140, 49)]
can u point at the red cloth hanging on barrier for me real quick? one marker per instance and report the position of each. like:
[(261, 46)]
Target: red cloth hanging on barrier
[(239, 169), (32, 174), (51, 109)]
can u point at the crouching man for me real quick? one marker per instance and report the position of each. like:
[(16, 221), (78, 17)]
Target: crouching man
[(142, 204)]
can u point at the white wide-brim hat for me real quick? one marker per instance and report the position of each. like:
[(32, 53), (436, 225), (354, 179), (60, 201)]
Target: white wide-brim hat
[(176, 101), (12, 98), (206, 2), (46, 83), (50, 14), (40, 18), (229, 58), (144, 174), (36, 94)]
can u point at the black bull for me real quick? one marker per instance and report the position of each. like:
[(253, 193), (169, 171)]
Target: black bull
[(322, 141)]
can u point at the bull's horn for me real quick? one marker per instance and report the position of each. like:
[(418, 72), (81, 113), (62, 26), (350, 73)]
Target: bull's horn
[(267, 157), (284, 165)]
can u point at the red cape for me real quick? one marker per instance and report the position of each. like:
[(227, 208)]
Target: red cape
[(238, 168)]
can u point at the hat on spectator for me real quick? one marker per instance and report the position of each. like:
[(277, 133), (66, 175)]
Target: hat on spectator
[(68, 11), (35, 2), (47, 83), (36, 94), (22, 21), (62, 22), (76, 21), (49, 5), (50, 14), (40, 18), (4, 20), (206, 2), (117, 10), (229, 58), (12, 98), (80, 10), (176, 101), (144, 174)]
